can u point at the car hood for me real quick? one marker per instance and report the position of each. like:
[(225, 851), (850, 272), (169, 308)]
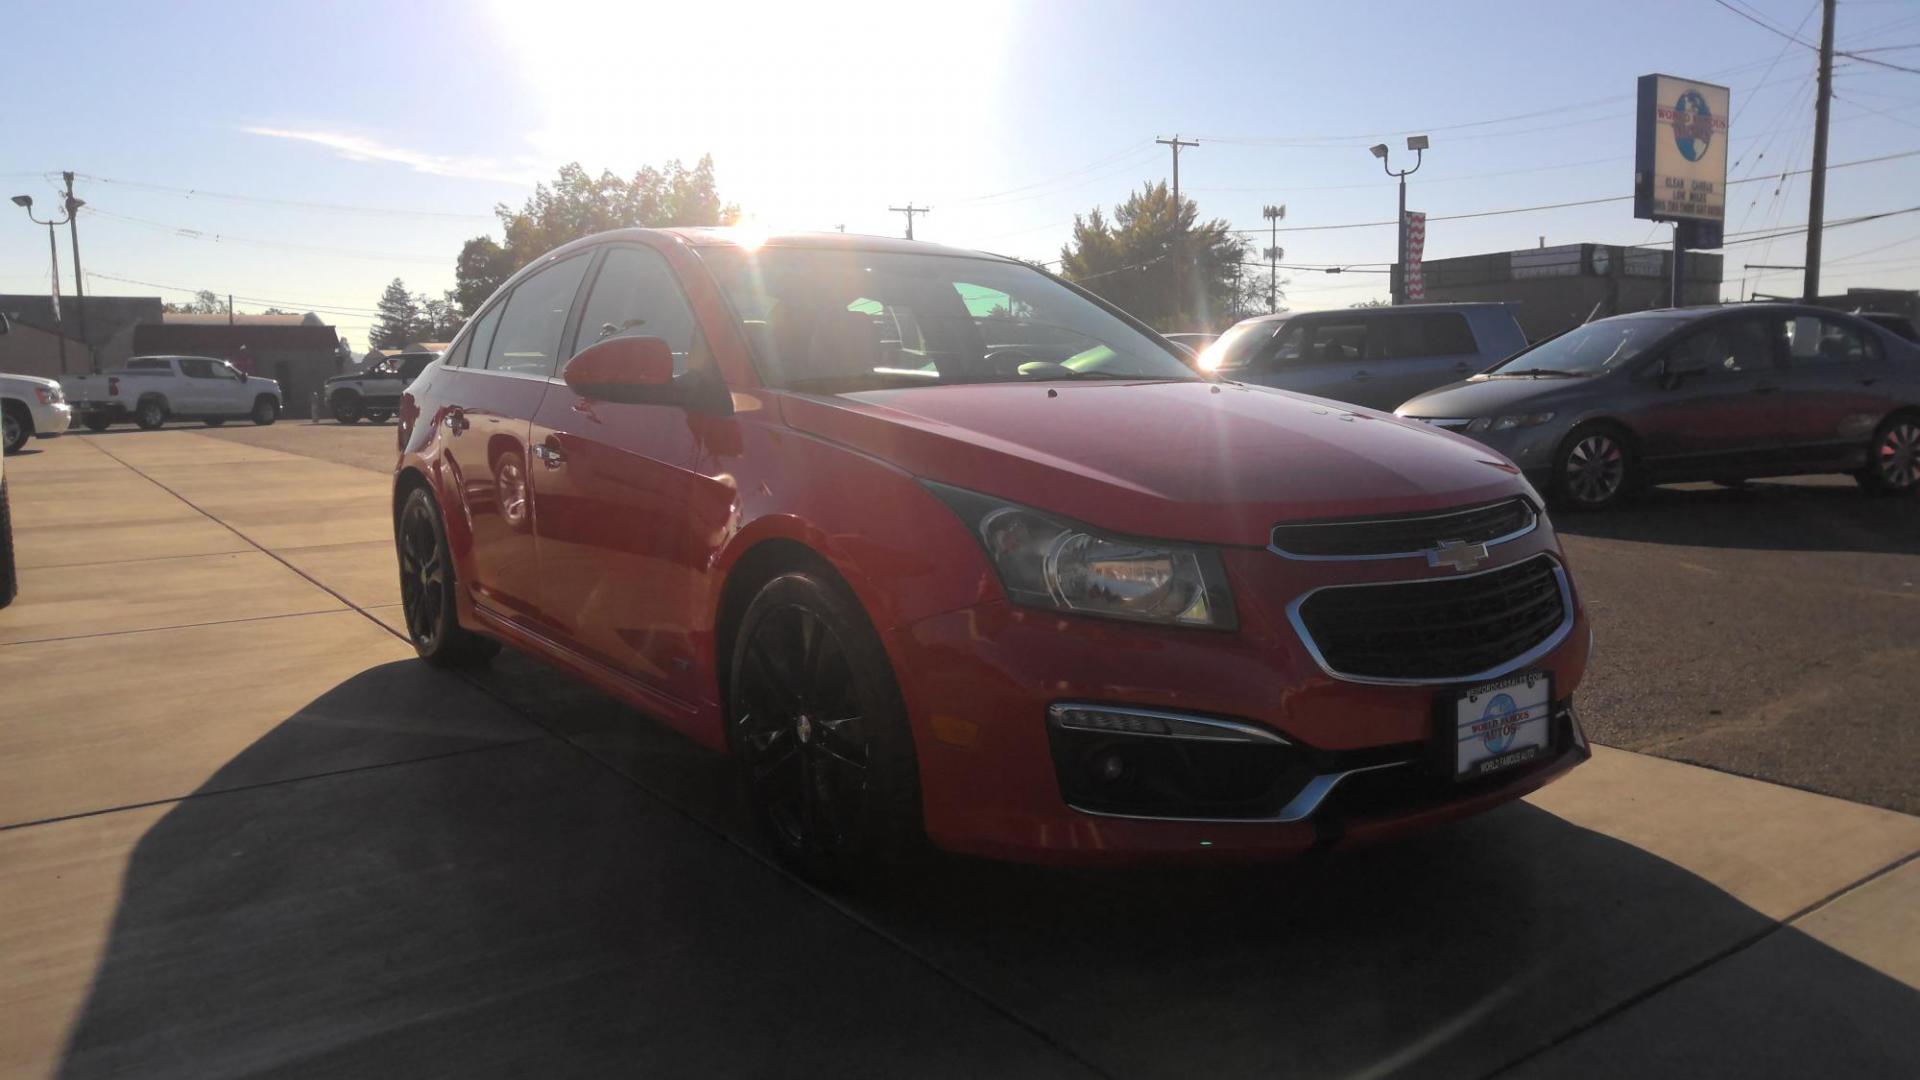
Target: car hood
[(1482, 396), (1215, 463), (29, 380)]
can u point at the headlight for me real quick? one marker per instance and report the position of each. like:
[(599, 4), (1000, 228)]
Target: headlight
[(1048, 562), (1504, 423)]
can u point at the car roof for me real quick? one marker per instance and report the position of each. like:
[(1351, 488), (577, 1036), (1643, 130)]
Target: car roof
[(735, 236)]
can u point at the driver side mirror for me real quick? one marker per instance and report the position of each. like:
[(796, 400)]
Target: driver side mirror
[(626, 371)]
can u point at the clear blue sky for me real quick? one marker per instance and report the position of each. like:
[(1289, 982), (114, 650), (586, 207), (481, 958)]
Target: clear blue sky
[(825, 114)]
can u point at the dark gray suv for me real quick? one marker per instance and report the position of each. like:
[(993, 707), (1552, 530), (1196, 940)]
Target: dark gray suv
[(1728, 392), (1377, 357)]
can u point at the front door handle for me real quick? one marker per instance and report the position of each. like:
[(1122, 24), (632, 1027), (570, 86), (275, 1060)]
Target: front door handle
[(552, 456)]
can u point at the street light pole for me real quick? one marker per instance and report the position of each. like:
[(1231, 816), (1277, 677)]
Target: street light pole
[(79, 280), (25, 202), (1418, 144)]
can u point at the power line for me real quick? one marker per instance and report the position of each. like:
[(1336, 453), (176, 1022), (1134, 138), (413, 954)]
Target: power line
[(1770, 28), (288, 204), (318, 309), (228, 238)]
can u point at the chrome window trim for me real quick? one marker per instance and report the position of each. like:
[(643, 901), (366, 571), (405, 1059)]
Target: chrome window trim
[(506, 374), (1301, 807), (1533, 522), (1241, 733), (1507, 667)]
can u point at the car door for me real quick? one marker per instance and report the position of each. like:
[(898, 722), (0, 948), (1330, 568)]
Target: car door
[(197, 391), (232, 396), (1835, 386), (1709, 404), (1325, 357), (1412, 352), (490, 402), (633, 498)]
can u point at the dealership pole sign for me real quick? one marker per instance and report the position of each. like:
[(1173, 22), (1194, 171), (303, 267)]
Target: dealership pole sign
[(1680, 157)]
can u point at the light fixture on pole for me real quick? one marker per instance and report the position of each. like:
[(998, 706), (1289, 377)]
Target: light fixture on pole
[(1418, 144), (25, 202), (1274, 254)]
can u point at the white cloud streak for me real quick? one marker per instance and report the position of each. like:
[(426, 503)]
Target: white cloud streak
[(361, 148)]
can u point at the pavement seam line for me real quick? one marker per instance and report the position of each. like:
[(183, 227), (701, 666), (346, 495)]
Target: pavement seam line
[(281, 782), (954, 979), (257, 545), (1660, 986), (140, 559), (175, 626)]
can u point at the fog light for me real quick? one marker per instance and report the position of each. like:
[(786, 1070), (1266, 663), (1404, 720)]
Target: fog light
[(1111, 767), (1113, 720)]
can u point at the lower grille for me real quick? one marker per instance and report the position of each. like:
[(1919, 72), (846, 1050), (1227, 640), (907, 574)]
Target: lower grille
[(1437, 630)]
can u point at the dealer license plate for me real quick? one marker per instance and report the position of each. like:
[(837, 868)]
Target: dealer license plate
[(1502, 725)]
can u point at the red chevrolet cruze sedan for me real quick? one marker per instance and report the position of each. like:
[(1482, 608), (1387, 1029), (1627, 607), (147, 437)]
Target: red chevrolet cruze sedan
[(941, 547)]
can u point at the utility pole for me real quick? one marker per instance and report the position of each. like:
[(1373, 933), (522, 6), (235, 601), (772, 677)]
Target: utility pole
[(79, 282), (1179, 231), (1274, 254), (908, 210), (1817, 201)]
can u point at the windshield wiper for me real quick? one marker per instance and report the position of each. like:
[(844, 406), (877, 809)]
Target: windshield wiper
[(1537, 372)]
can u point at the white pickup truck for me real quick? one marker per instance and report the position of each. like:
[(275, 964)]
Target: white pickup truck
[(150, 390)]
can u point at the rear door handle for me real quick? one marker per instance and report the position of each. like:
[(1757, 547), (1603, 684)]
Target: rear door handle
[(552, 456)]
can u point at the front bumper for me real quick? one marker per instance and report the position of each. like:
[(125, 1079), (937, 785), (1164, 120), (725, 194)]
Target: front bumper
[(979, 683), (50, 420)]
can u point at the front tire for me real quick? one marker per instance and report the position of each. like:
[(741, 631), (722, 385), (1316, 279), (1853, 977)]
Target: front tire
[(1893, 461), (265, 411), (9, 580), (347, 408), (15, 428), (1594, 468), (151, 414), (428, 591), (819, 731)]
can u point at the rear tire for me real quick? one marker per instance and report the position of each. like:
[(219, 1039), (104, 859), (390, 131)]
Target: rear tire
[(1893, 458), (9, 580), (428, 591), (265, 410), (150, 414), (1593, 469), (16, 427), (819, 732)]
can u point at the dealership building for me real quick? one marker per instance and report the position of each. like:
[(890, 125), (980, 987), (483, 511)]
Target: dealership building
[(1553, 288)]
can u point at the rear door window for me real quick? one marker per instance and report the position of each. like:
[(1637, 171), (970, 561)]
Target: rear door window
[(528, 339), (1814, 340), (1724, 348)]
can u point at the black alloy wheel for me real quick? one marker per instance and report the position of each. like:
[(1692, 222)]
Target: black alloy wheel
[(816, 721), (427, 589), (1893, 461), (1594, 469), (151, 414)]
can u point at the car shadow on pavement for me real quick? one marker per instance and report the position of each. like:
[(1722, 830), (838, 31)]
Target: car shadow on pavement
[(529, 908), (1762, 515)]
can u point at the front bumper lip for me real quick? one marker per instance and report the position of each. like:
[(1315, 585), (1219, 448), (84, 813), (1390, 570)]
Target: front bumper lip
[(1301, 807)]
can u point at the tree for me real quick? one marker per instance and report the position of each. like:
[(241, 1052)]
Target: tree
[(399, 317), (440, 317), (580, 205), (204, 302), (1130, 261), (1375, 302)]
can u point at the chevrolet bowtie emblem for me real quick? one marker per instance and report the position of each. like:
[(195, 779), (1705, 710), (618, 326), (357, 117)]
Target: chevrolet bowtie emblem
[(1458, 554)]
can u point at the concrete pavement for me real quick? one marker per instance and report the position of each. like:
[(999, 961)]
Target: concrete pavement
[(241, 830)]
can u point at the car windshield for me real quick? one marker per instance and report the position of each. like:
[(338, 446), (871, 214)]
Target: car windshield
[(1590, 349), (842, 320), (1238, 346)]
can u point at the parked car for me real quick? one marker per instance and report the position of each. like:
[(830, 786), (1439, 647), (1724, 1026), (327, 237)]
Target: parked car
[(1025, 585), (373, 394), (150, 390), (9, 577), (1193, 343), (30, 406), (1377, 357), (1728, 393)]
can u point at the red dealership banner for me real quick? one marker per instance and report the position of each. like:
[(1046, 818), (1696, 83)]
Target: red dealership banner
[(1416, 283)]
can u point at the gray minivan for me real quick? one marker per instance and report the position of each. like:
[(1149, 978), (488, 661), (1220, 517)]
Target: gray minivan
[(1377, 357)]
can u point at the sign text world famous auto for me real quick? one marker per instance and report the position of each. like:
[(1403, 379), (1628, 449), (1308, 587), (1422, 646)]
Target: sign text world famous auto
[(1680, 167)]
